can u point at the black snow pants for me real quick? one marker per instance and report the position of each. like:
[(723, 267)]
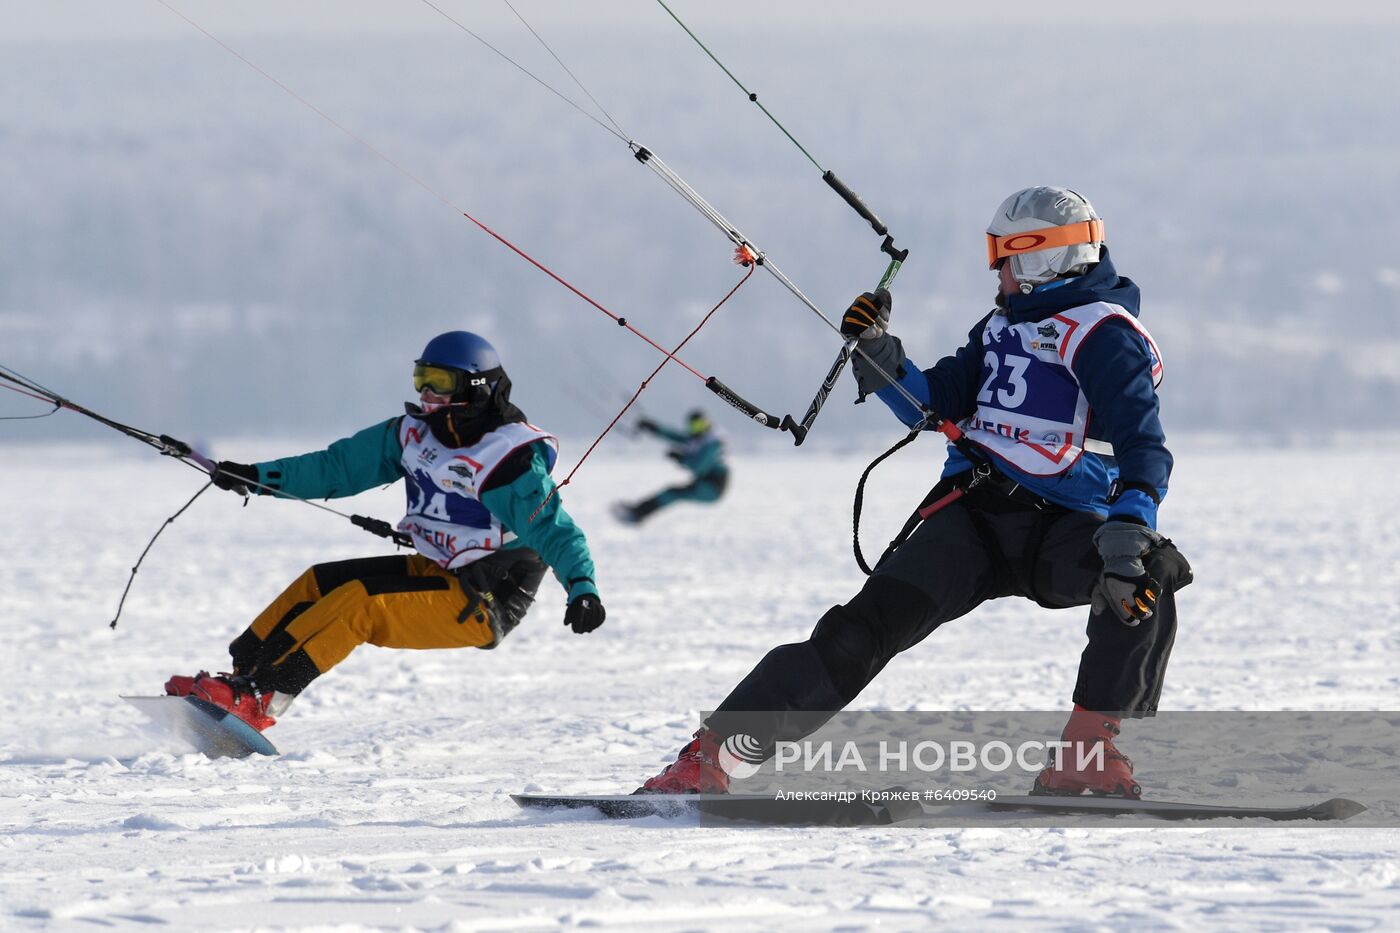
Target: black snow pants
[(982, 546)]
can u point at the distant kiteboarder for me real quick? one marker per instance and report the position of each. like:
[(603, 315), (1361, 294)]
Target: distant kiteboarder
[(697, 448)]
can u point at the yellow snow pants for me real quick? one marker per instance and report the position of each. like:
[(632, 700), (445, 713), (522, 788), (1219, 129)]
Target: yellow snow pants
[(403, 601)]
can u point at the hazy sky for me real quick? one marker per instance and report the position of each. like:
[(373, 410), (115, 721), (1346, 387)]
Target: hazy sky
[(184, 222), (129, 19)]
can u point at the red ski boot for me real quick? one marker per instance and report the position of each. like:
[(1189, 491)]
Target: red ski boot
[(236, 694), (1081, 768), (696, 770)]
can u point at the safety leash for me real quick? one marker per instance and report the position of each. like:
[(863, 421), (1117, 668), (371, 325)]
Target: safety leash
[(147, 549), (982, 470)]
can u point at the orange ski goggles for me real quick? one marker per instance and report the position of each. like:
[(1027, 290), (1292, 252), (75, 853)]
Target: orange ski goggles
[(1014, 244)]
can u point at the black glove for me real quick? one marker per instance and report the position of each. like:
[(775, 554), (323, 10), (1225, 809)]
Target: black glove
[(235, 477), (1125, 586), (887, 353), (585, 614), (646, 424), (675, 455), (868, 316)]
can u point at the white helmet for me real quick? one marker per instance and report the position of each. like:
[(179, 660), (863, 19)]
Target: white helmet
[(1045, 232)]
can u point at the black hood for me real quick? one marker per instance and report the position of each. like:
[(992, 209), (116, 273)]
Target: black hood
[(463, 425)]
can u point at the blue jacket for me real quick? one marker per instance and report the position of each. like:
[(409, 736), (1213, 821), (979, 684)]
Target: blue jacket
[(1113, 368)]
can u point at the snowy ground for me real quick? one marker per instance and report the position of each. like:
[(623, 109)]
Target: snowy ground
[(388, 808)]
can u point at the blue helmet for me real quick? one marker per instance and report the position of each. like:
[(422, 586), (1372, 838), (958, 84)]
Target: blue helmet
[(461, 365), (460, 349)]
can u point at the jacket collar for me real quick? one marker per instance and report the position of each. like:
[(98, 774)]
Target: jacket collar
[(1101, 283)]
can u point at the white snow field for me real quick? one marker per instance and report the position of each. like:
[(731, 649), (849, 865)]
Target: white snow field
[(388, 809)]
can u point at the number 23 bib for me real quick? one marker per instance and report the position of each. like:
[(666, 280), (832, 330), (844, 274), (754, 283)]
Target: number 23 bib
[(1031, 410)]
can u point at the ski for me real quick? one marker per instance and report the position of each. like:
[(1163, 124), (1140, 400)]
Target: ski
[(1337, 808), (767, 808), (757, 808)]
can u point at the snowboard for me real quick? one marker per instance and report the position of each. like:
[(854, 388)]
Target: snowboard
[(764, 808), (757, 808), (212, 730)]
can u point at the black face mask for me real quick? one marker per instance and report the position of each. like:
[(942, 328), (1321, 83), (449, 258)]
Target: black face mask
[(461, 425)]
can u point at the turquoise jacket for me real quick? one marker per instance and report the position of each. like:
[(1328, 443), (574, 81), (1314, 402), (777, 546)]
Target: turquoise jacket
[(702, 455), (372, 458)]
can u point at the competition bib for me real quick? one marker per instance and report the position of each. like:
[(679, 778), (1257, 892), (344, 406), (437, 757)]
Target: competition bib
[(1031, 410), (445, 517)]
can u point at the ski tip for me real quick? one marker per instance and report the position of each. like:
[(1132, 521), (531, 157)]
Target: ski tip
[(212, 730), (621, 806), (1338, 808)]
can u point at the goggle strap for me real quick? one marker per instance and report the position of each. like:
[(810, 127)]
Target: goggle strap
[(1014, 244), (483, 378)]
